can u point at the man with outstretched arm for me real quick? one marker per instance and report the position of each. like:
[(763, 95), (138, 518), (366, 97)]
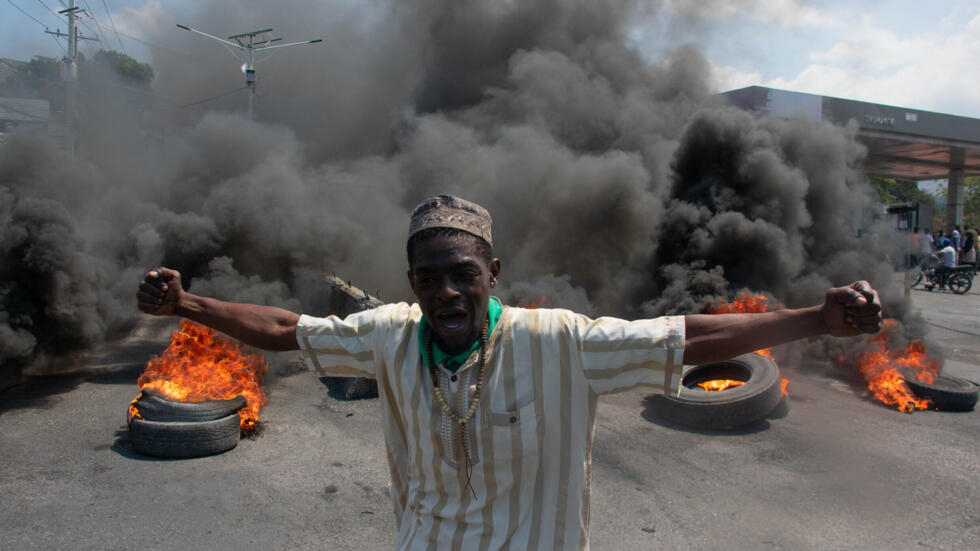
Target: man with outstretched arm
[(489, 411)]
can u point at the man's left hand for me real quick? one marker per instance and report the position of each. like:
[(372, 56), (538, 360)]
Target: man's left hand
[(852, 310)]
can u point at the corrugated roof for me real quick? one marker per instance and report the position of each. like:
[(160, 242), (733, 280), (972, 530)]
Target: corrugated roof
[(24, 110), (8, 66)]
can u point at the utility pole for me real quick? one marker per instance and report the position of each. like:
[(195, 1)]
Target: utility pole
[(251, 42), (69, 74)]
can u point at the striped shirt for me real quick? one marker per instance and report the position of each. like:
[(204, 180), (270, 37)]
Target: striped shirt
[(531, 438)]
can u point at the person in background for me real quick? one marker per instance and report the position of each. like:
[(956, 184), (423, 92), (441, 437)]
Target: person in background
[(957, 237), (912, 248), (968, 252), (925, 244), (947, 261)]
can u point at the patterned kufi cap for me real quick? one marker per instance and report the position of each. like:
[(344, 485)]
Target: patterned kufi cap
[(449, 211)]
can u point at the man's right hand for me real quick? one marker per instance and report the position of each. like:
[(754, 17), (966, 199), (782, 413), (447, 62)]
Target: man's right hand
[(160, 292)]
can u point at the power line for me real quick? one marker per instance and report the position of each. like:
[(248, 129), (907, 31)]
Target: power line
[(250, 42), (39, 22), (58, 42), (27, 14), (71, 66), (113, 23), (54, 13), (205, 100), (159, 47), (88, 13)]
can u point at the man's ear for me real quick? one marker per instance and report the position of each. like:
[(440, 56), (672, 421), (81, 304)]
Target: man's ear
[(411, 278), (494, 271)]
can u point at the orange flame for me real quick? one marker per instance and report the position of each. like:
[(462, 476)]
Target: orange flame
[(199, 366), (880, 367), (720, 384), (744, 303), (133, 412), (783, 383), (533, 305)]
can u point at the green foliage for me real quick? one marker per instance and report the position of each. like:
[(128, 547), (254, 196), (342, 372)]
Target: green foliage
[(971, 202), (38, 78), (38, 71), (892, 191), (41, 77), (126, 67)]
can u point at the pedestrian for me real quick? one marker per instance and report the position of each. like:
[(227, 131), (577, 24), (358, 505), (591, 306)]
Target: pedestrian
[(956, 237), (968, 253), (912, 247), (925, 245), (489, 410)]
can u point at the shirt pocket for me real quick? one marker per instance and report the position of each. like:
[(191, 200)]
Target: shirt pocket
[(514, 433)]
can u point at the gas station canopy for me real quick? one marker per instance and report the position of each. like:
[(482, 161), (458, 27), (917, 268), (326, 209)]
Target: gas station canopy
[(904, 144)]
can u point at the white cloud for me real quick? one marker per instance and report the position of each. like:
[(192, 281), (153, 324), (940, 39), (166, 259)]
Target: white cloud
[(787, 13), (928, 70), (724, 78), (144, 20)]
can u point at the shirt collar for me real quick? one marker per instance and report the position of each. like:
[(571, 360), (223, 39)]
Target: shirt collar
[(453, 363)]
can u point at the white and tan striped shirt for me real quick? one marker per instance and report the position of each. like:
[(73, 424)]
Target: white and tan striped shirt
[(531, 441)]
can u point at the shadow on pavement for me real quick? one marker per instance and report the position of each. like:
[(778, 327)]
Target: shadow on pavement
[(115, 364), (124, 447), (41, 392)]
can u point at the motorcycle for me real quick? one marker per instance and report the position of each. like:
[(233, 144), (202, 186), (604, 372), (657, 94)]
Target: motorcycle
[(958, 279)]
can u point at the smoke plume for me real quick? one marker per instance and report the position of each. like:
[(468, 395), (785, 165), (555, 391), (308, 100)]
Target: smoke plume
[(618, 186)]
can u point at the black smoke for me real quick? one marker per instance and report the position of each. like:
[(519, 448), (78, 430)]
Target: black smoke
[(618, 186)]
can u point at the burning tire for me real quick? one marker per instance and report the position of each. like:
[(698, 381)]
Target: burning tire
[(696, 408), (154, 407), (184, 439), (947, 393)]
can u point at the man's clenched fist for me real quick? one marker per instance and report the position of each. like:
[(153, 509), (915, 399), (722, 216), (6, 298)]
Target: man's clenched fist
[(160, 292), (852, 310)]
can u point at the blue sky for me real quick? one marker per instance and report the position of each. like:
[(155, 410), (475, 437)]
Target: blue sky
[(915, 54)]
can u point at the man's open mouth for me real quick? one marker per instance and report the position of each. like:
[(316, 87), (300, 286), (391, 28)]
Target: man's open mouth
[(451, 322)]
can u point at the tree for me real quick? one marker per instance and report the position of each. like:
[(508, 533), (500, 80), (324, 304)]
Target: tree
[(971, 201), (39, 78), (898, 191), (130, 70)]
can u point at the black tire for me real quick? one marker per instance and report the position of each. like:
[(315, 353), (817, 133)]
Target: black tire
[(350, 388), (155, 407), (193, 439), (947, 393), (917, 278), (959, 283), (696, 408), (360, 388)]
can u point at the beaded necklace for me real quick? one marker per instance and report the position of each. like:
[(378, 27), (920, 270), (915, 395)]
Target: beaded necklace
[(468, 416)]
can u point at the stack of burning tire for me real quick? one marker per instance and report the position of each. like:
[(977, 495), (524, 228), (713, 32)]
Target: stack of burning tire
[(160, 427), (202, 369)]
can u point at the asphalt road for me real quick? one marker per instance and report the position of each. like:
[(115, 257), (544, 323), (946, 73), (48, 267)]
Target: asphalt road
[(830, 470)]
